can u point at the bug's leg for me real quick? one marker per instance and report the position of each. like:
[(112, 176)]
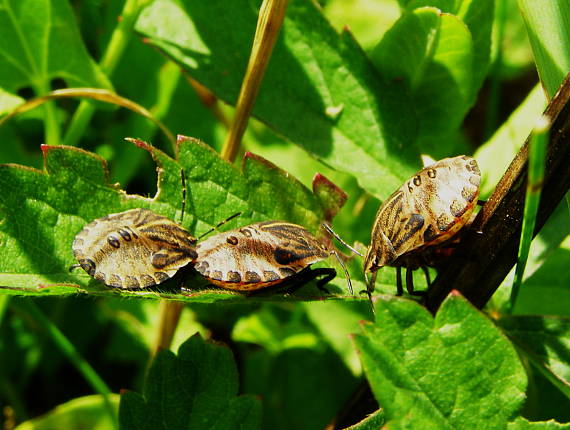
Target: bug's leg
[(410, 280), (329, 274), (426, 272), (346, 274), (410, 284), (74, 266), (301, 279), (481, 202), (399, 287), (370, 282)]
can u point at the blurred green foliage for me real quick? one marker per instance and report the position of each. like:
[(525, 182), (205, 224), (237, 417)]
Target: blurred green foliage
[(356, 90)]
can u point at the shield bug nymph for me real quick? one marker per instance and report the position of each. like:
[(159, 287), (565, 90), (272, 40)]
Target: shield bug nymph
[(264, 254), (426, 212), (133, 249)]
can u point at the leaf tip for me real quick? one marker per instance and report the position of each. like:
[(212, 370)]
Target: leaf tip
[(332, 197), (140, 143)]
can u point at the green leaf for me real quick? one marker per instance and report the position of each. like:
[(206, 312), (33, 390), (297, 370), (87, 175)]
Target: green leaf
[(434, 53), (452, 371), (40, 41), (87, 413), (367, 19), (320, 91), (548, 29), (477, 15), (46, 209), (195, 389), (544, 341)]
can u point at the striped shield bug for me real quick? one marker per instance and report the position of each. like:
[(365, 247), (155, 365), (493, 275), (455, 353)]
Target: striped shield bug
[(133, 249), (264, 254), (425, 214), (136, 248)]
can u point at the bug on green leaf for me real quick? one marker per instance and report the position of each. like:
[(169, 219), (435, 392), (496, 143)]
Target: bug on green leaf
[(262, 255), (426, 212), (133, 249)]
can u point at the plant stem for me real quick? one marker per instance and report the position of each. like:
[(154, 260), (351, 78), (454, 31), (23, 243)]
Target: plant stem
[(536, 153), (67, 348), (495, 74), (119, 40), (271, 15)]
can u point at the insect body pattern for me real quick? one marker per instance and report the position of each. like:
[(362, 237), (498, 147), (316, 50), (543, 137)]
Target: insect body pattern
[(262, 255), (133, 249), (425, 214)]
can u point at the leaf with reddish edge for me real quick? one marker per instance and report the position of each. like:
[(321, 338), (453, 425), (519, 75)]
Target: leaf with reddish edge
[(331, 197), (46, 209)]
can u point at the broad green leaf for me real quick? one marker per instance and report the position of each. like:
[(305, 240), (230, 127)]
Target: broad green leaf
[(477, 15), (48, 208), (87, 413), (39, 42), (319, 91), (368, 20), (452, 371), (433, 54), (545, 342), (195, 389), (548, 28)]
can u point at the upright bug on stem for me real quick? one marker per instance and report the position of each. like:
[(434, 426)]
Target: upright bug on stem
[(428, 210)]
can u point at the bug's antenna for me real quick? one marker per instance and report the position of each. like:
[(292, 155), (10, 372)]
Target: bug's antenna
[(329, 229), (183, 180), (345, 271), (221, 223)]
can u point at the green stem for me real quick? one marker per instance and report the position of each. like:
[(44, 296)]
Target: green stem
[(536, 154), (119, 41), (67, 348), (52, 132), (495, 75)]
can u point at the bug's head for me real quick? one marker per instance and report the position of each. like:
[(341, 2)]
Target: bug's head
[(380, 252), (371, 260)]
